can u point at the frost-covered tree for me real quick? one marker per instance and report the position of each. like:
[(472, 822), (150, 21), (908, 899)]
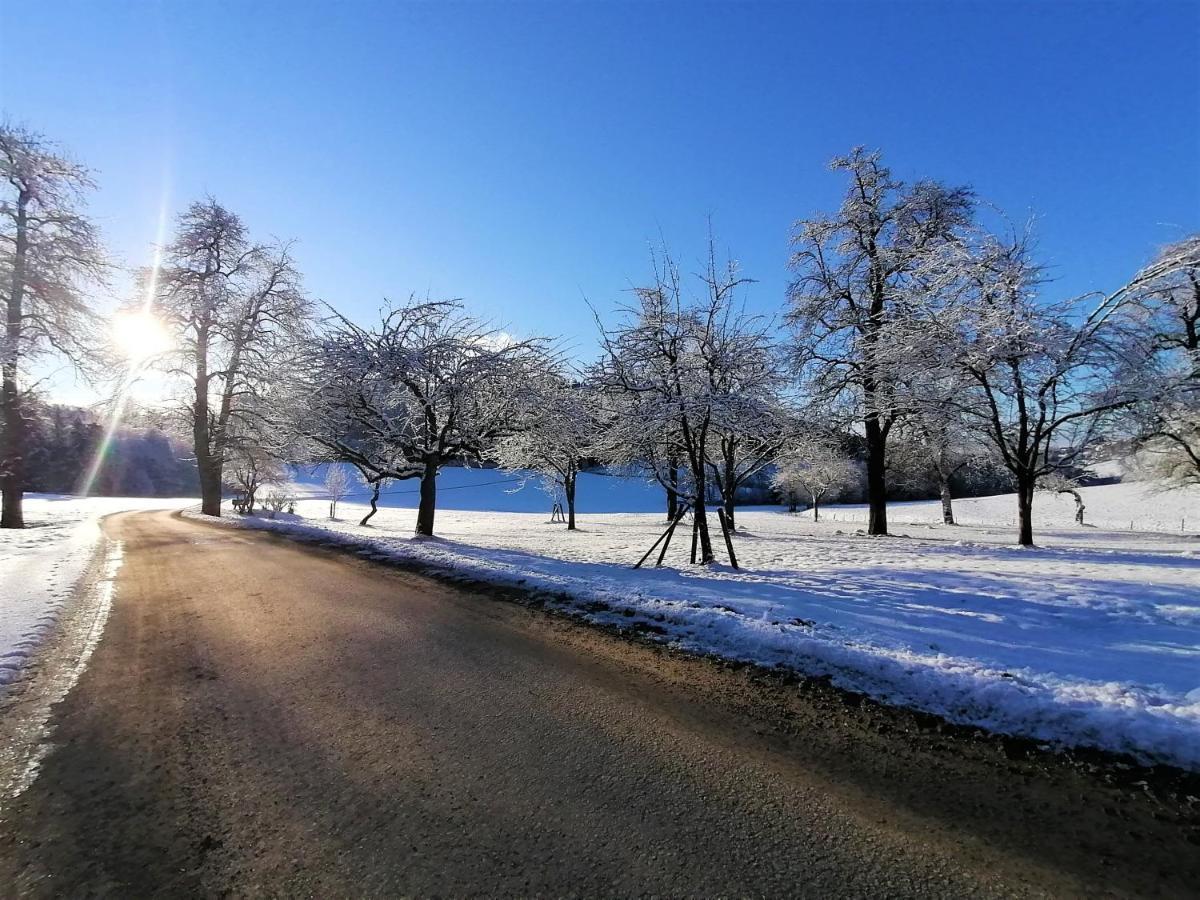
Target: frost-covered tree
[(50, 256), (1166, 425), (854, 279), (1044, 377), (330, 424), (753, 423), (337, 486), (426, 385), (554, 433), (936, 437), (745, 443), (376, 483), (249, 467), (277, 500), (237, 311), (681, 366), (652, 449), (1169, 449), (816, 467)]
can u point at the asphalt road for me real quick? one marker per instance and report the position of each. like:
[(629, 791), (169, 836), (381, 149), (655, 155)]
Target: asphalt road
[(267, 719)]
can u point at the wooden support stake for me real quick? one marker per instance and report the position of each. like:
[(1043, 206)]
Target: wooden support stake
[(695, 534), (728, 539), (666, 543), (654, 546)]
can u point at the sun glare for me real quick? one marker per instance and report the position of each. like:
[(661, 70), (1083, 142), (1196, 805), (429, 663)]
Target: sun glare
[(139, 335)]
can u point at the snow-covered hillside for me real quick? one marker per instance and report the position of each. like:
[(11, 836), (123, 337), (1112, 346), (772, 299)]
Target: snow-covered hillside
[(1093, 638), (41, 564), (494, 490)]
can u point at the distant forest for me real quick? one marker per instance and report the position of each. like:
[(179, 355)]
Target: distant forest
[(139, 462)]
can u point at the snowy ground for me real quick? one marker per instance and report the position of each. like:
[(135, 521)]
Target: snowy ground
[(41, 564), (494, 490), (1128, 506), (1092, 639)]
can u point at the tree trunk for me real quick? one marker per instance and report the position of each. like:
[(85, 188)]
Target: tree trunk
[(706, 551), (816, 508), (12, 452), (672, 488), (947, 503), (12, 421), (1025, 511), (208, 462), (374, 503), (428, 504), (569, 491), (876, 476), (209, 471), (728, 483)]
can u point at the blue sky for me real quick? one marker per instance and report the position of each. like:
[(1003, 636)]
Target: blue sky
[(522, 155)]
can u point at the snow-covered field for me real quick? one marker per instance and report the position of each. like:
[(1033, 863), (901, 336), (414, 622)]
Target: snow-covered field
[(1127, 506), (41, 564), (1091, 639), (494, 490)]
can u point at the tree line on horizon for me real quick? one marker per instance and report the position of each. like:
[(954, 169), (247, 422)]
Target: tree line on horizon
[(66, 442), (918, 344)]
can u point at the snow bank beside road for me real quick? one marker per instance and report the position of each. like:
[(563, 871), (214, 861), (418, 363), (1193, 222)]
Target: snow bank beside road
[(41, 564), (1093, 640)]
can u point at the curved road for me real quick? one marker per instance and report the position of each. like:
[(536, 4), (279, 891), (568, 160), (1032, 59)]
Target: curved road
[(262, 718)]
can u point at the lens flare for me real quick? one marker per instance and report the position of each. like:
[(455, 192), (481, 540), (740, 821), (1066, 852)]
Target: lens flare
[(139, 335)]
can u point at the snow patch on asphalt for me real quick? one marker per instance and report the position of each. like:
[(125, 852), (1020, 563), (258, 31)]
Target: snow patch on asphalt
[(41, 564), (27, 733)]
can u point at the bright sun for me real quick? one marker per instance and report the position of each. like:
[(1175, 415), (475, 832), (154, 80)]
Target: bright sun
[(139, 335)]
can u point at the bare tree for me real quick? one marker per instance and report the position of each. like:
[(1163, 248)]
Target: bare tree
[(328, 422), (237, 309), (816, 466), (249, 466), (1169, 444), (277, 500), (753, 423), (745, 444), (337, 486), (554, 433), (376, 482), (854, 276), (675, 361), (425, 386), (626, 441), (1044, 376), (49, 256), (939, 437), (1166, 337)]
